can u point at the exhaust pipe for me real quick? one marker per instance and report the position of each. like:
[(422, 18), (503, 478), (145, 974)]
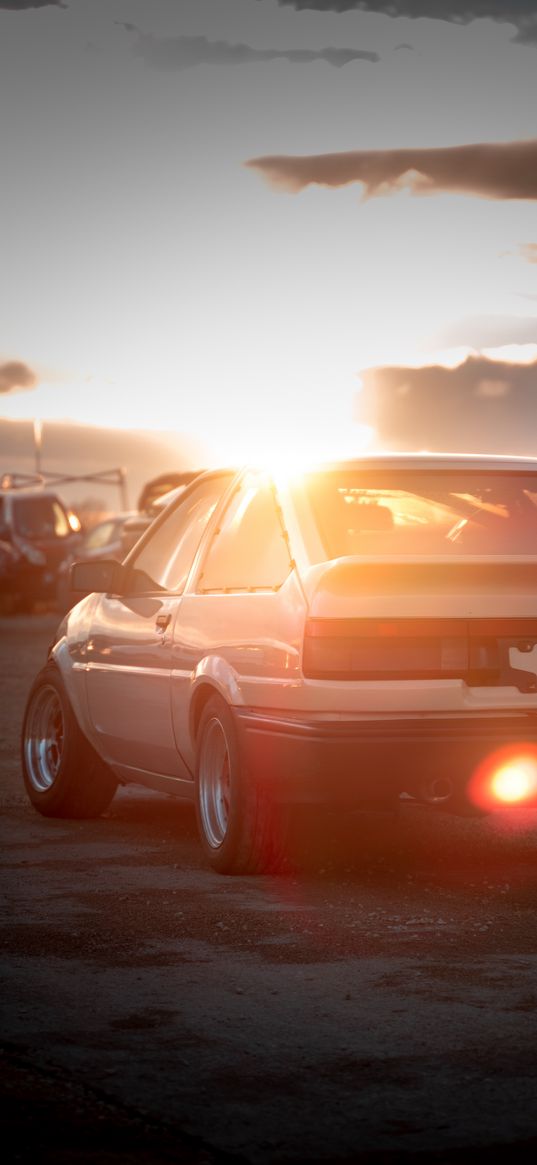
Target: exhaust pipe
[(436, 791)]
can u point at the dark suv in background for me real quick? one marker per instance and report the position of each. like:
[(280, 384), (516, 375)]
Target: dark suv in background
[(41, 533)]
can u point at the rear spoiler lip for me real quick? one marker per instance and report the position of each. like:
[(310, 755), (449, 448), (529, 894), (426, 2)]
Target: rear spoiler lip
[(427, 560), (380, 583)]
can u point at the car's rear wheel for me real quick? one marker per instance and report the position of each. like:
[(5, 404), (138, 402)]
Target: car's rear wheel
[(62, 773), (242, 831)]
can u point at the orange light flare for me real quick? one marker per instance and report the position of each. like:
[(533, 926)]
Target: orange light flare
[(506, 778)]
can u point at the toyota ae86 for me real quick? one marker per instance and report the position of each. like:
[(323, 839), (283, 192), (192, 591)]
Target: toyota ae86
[(354, 634)]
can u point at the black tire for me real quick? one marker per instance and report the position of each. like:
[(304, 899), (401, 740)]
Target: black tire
[(241, 830), (63, 775)]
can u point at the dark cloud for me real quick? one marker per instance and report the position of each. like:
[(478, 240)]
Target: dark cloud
[(522, 13), (19, 5), (527, 32), (14, 374), (185, 52), (458, 11), (502, 170), (480, 406)]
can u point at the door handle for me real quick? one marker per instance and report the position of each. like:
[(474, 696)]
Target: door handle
[(163, 621)]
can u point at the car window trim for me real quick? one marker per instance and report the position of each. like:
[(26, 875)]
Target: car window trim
[(259, 479), (130, 561)]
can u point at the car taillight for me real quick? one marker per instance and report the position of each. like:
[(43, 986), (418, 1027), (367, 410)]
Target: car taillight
[(477, 651), (386, 648)]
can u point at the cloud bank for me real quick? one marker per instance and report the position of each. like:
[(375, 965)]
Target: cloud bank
[(504, 170), (480, 406), (19, 5), (186, 52), (14, 374), (522, 13)]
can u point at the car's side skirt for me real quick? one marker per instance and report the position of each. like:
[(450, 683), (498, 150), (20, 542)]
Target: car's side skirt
[(176, 786)]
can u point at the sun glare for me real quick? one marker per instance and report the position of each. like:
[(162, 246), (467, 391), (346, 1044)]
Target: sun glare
[(291, 432)]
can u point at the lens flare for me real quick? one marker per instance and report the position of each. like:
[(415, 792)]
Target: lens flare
[(515, 782), (506, 777)]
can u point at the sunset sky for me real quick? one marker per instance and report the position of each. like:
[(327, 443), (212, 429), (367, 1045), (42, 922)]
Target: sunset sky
[(217, 213)]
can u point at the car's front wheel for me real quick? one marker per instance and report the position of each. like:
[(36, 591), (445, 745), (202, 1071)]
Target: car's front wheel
[(241, 829), (62, 773)]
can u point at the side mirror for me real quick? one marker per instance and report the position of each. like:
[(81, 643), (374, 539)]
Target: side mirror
[(104, 576)]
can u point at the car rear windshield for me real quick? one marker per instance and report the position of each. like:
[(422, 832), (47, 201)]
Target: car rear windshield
[(40, 517), (429, 513)]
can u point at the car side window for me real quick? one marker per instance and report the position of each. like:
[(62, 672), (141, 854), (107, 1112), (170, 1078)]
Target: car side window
[(249, 550), (100, 535), (165, 560), (40, 517)]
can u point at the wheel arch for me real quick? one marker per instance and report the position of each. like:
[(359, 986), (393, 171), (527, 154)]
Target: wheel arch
[(213, 677), (202, 694), (68, 652)]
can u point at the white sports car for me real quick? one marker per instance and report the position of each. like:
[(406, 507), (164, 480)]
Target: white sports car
[(359, 631)]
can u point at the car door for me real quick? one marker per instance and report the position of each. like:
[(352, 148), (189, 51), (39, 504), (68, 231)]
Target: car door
[(128, 655), (237, 625)]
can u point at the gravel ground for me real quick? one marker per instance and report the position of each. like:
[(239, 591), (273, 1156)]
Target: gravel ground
[(378, 1004)]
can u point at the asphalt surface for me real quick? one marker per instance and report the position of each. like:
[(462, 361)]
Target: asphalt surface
[(378, 1004)]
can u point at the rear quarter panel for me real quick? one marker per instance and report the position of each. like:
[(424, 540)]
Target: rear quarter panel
[(246, 646)]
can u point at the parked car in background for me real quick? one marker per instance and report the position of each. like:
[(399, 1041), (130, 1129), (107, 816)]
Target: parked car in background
[(105, 539), (343, 637), (163, 484), (42, 532), (8, 568), (113, 537), (155, 503)]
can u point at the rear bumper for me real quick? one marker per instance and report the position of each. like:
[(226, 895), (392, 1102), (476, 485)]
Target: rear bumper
[(370, 762)]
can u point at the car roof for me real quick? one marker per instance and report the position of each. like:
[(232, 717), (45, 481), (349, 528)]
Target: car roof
[(425, 460), (164, 485), (421, 460), (163, 500)]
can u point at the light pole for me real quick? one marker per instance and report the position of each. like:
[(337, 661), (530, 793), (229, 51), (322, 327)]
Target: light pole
[(38, 441)]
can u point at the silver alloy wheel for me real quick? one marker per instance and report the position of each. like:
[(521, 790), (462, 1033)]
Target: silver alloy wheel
[(44, 739), (214, 784)]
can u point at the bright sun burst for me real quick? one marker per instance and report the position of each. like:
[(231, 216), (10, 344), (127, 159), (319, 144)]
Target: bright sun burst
[(515, 781)]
